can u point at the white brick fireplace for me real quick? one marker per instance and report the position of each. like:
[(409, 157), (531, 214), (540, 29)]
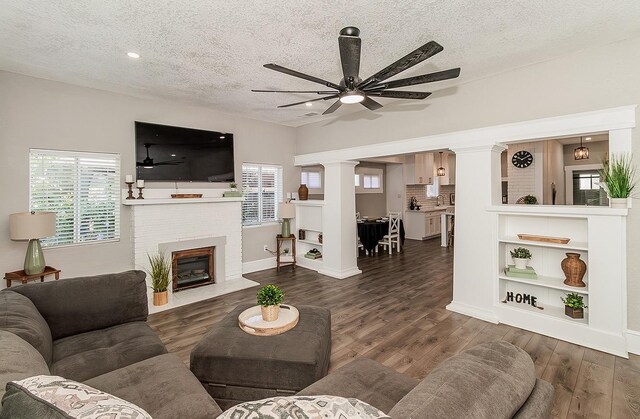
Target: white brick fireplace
[(166, 225)]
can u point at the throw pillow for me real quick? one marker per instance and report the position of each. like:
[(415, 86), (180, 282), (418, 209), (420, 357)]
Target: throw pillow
[(48, 396), (308, 407)]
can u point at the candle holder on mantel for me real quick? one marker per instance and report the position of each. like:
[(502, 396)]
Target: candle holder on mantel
[(140, 193), (130, 185)]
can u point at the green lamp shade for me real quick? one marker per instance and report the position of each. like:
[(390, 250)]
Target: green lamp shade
[(32, 226)]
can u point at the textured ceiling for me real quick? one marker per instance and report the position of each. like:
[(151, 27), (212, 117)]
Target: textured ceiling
[(211, 52)]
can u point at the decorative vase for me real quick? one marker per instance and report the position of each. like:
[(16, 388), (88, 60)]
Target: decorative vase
[(301, 234), (160, 298), (574, 313), (320, 238), (270, 313), (520, 263), (574, 269), (618, 202), (303, 192)]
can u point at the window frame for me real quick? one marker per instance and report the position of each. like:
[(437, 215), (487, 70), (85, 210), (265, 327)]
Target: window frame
[(278, 194)]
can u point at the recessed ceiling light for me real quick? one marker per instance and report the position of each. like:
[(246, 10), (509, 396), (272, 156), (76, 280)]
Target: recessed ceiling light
[(588, 139), (133, 55), (309, 104)]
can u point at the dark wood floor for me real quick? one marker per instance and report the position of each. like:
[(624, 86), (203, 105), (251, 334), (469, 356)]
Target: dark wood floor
[(394, 313)]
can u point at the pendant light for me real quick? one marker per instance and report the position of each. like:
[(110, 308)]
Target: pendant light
[(581, 153), (440, 171)]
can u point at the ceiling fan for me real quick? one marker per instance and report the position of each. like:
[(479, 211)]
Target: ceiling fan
[(148, 163), (352, 89)]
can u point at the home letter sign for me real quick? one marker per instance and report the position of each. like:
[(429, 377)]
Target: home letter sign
[(522, 299)]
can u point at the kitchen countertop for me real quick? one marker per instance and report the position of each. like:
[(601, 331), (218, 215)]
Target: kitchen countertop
[(433, 209)]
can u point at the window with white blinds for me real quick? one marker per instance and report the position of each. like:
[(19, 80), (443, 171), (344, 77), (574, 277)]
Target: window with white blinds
[(313, 180), (83, 189), (262, 191)]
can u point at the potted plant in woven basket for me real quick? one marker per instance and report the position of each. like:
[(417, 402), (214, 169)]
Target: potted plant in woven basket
[(574, 305), (269, 298), (617, 177), (521, 257), (159, 269)]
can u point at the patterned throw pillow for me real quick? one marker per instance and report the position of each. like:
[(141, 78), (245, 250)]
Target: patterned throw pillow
[(56, 397), (304, 407)]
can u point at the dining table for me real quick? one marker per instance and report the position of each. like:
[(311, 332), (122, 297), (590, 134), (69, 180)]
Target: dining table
[(371, 232)]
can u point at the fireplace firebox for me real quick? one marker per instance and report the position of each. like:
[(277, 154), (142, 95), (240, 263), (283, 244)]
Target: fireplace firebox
[(192, 268)]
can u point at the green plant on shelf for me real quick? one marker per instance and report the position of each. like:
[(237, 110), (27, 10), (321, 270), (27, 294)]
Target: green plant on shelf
[(520, 253), (530, 200), (270, 295), (617, 176), (573, 300)]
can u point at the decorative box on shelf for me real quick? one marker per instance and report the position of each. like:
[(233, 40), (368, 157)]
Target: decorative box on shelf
[(232, 194)]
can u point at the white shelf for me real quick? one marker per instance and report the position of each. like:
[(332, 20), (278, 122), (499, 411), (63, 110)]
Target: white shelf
[(547, 282), (557, 210), (314, 243), (551, 311), (164, 201), (309, 229), (308, 202), (572, 245)]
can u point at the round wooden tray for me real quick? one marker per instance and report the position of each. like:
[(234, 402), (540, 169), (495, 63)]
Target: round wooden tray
[(251, 321)]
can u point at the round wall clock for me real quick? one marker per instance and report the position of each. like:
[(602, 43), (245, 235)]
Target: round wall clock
[(522, 159)]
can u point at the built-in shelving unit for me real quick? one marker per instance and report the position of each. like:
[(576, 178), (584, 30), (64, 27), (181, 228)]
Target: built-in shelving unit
[(309, 219), (599, 236)]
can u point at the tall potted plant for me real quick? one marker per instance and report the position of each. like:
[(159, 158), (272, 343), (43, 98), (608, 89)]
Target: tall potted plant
[(617, 177), (159, 270), (269, 298)]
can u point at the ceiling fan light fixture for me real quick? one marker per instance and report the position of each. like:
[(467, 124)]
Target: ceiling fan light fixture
[(581, 153), (351, 97)]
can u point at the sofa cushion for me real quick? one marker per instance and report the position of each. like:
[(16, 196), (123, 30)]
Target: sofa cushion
[(161, 385), (491, 380), (366, 380), (20, 316), (90, 354), (18, 360), (46, 396), (78, 305), (311, 407), (539, 403)]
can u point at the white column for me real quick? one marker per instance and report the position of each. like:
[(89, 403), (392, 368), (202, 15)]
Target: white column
[(477, 187), (339, 256)]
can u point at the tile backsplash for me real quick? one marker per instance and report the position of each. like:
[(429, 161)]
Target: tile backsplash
[(420, 192)]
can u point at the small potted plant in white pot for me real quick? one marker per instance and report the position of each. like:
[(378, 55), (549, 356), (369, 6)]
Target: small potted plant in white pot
[(574, 305), (269, 298), (617, 177), (159, 270), (233, 192), (521, 257)]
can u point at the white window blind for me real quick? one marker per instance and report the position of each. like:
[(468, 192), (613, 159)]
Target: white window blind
[(371, 181), (357, 179), (262, 190), (83, 189), (313, 180)]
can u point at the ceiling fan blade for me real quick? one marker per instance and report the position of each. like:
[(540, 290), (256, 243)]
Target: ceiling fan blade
[(400, 95), (429, 49), (370, 104), (350, 58), (329, 92), (425, 78), (294, 73), (307, 101), (333, 107)]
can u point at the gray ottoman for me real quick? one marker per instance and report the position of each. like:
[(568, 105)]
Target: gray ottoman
[(235, 366)]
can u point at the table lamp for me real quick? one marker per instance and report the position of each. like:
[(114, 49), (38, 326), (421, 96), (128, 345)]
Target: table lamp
[(32, 226), (286, 211)]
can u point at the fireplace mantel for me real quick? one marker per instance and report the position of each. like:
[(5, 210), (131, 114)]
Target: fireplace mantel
[(164, 201)]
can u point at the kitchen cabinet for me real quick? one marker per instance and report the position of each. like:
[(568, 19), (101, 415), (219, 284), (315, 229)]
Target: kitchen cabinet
[(432, 225), (419, 169), (421, 225)]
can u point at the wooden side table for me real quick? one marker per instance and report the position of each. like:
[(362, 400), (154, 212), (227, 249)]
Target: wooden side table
[(24, 278), (279, 241)]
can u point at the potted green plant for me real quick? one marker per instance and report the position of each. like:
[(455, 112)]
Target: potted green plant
[(530, 200), (617, 178), (269, 298), (521, 257), (159, 270), (574, 305)]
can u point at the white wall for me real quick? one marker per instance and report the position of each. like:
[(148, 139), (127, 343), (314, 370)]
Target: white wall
[(553, 172), (45, 114), (394, 182), (591, 79)]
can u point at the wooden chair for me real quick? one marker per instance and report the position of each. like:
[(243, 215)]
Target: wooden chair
[(359, 244), (393, 237)]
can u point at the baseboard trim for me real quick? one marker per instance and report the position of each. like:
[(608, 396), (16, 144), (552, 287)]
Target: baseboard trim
[(633, 341), (478, 313), (340, 274), (258, 265)]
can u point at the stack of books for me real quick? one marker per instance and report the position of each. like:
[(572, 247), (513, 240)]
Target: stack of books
[(528, 273), (313, 255)]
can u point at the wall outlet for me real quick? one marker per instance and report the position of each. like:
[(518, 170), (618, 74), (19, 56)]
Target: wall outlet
[(265, 248)]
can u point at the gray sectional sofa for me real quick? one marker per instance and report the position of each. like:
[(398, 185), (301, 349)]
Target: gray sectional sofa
[(94, 330)]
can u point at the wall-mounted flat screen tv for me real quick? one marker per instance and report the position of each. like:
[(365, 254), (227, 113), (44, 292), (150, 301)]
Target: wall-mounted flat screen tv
[(171, 154)]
